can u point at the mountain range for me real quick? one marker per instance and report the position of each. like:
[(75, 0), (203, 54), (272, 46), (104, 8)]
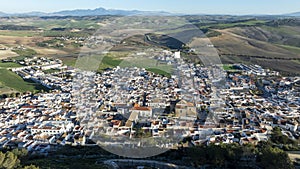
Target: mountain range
[(89, 12), (103, 11), (294, 14)]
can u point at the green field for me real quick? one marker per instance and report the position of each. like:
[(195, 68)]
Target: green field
[(12, 80), (26, 52), (51, 33), (109, 62), (233, 24), (118, 59), (291, 48), (20, 33), (69, 61), (64, 23), (228, 67), (296, 61), (9, 65), (282, 30), (50, 71), (160, 72)]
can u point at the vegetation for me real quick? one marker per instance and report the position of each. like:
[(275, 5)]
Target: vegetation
[(291, 48), (19, 33), (278, 138), (66, 23), (66, 163), (228, 67), (16, 27), (50, 71), (236, 156), (111, 61), (159, 71), (274, 158), (12, 80), (9, 65), (14, 159), (10, 83), (69, 61), (263, 155), (70, 157), (213, 33), (55, 43), (230, 24), (68, 34), (25, 52)]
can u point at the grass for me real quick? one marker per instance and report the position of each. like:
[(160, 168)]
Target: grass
[(291, 48), (51, 71), (65, 23), (296, 61), (108, 62), (213, 33), (160, 72), (228, 67), (233, 24), (46, 163), (149, 64), (12, 80), (74, 157), (117, 59), (19, 33), (9, 65), (25, 52), (282, 30), (69, 61), (5, 90), (64, 33)]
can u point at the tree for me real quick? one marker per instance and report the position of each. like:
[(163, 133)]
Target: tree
[(4, 96), (2, 158), (278, 138), (234, 152), (12, 95), (198, 155), (275, 158), (216, 155), (20, 152), (31, 167), (11, 161)]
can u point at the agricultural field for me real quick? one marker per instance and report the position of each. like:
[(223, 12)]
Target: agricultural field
[(12, 83), (15, 82), (272, 42), (19, 33)]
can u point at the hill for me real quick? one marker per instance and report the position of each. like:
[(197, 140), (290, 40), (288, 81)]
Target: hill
[(276, 46), (272, 42), (89, 12), (294, 14)]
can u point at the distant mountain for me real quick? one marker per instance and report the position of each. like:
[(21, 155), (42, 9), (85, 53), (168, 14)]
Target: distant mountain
[(2, 14), (293, 14), (103, 11), (90, 12)]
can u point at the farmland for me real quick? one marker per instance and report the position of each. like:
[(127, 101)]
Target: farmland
[(11, 82), (271, 42), (16, 83)]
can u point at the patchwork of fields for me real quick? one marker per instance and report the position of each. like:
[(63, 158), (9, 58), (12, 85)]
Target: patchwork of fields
[(273, 43)]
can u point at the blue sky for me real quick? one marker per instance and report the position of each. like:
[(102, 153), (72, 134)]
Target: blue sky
[(177, 6)]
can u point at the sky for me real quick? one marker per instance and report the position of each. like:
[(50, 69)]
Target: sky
[(238, 7)]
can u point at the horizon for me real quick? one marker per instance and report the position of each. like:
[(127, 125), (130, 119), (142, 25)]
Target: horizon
[(231, 7)]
